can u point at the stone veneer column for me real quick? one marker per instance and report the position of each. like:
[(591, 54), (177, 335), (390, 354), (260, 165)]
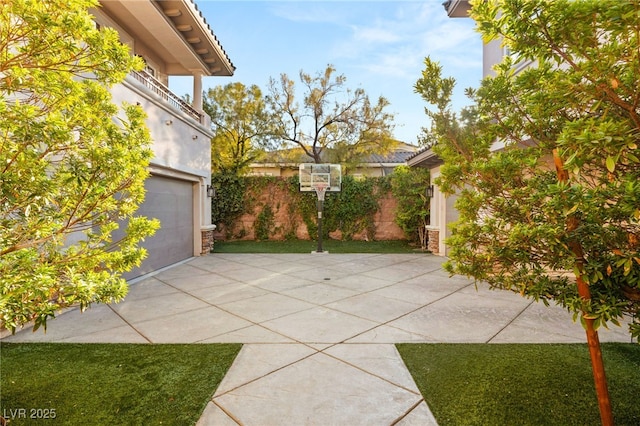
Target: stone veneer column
[(434, 240), (207, 239)]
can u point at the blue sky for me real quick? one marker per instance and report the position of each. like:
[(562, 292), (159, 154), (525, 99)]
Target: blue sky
[(379, 46)]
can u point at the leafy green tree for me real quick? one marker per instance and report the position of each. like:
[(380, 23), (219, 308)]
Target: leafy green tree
[(408, 185), (329, 116), (242, 126), (555, 213), (73, 164)]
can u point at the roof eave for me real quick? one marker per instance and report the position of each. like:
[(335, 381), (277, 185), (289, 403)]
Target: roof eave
[(176, 31), (426, 158), (457, 8)]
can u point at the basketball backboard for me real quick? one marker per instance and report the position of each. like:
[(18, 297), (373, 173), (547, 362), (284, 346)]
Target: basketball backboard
[(312, 175)]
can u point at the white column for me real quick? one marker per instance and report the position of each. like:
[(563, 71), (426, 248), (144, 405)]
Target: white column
[(197, 90)]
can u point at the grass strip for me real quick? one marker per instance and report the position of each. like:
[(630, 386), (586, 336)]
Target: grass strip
[(110, 384), (522, 384), (307, 246)]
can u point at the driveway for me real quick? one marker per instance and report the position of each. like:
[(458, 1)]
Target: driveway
[(318, 330)]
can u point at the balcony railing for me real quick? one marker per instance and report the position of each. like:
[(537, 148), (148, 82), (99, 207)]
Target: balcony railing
[(163, 91)]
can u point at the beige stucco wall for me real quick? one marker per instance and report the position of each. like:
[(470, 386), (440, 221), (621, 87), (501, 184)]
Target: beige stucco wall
[(443, 212), (492, 53), (181, 147)]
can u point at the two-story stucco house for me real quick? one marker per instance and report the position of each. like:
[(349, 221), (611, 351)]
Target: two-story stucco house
[(174, 39)]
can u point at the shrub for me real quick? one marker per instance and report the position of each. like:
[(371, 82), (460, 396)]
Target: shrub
[(408, 187)]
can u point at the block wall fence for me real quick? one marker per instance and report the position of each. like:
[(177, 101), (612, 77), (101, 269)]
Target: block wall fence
[(287, 223)]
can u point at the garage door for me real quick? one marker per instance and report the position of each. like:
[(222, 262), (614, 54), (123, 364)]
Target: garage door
[(171, 202)]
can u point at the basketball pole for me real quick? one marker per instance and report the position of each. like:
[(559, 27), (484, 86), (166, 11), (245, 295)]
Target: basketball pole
[(320, 206), (321, 190)]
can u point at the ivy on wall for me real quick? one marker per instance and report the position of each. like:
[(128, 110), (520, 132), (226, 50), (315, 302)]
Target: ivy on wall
[(303, 203), (350, 211), (264, 223), (229, 202)]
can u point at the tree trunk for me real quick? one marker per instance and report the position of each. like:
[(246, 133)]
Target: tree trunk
[(593, 342), (599, 376)]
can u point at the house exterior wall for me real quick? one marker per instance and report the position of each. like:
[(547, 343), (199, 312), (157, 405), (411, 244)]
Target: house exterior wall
[(438, 214), (181, 148), (180, 132), (273, 170), (179, 142), (492, 54)]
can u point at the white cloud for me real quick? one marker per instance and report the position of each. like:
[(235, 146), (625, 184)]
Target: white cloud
[(400, 63), (395, 44), (375, 35), (311, 12)]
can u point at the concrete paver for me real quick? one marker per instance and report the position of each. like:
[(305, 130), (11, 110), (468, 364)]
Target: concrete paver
[(319, 389), (318, 330)]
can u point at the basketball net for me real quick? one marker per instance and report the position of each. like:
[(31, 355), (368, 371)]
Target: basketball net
[(320, 189)]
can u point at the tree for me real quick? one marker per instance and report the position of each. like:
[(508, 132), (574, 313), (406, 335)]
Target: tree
[(241, 123), (330, 117), (73, 164), (408, 185), (555, 214)]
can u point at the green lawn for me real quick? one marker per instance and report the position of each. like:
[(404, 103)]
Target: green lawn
[(110, 384), (305, 246), (523, 384)]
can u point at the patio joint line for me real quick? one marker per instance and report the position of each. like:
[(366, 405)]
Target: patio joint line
[(510, 322), (129, 324), (270, 372), (212, 272), (260, 324), (218, 306), (229, 414), (339, 287), (404, 315), (253, 324), (223, 310), (366, 371), (402, 417), (402, 262)]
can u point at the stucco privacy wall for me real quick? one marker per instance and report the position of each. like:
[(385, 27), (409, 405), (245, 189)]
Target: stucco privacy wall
[(284, 221)]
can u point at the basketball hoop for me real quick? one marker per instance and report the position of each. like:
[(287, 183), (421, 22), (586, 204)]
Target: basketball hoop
[(321, 189), (321, 178)]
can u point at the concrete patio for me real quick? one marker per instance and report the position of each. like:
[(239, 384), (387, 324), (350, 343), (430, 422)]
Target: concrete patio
[(318, 330)]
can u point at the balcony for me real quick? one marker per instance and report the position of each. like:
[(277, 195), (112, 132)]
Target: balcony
[(167, 95)]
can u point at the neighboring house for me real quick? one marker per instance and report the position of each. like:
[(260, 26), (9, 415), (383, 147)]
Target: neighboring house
[(376, 165), (285, 163), (174, 39)]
